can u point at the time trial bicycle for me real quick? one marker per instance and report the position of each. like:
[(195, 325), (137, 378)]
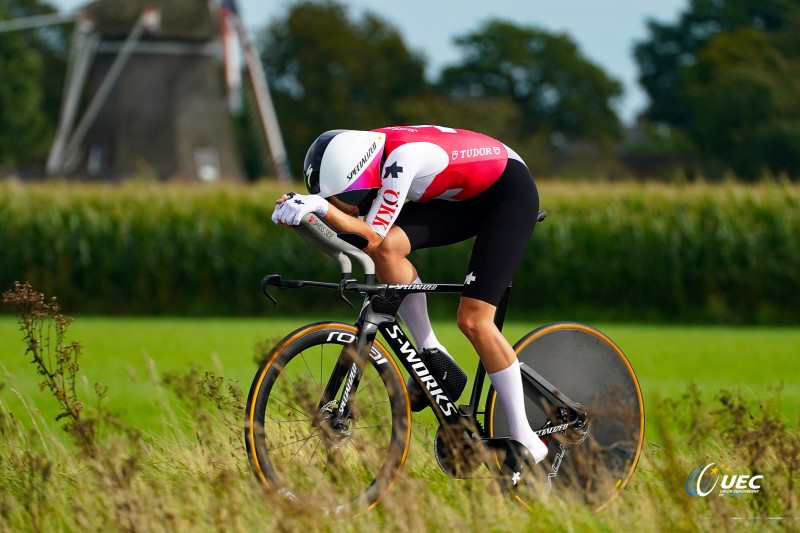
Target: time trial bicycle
[(328, 419)]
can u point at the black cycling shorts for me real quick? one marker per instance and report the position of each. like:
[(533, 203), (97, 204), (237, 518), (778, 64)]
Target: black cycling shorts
[(501, 219)]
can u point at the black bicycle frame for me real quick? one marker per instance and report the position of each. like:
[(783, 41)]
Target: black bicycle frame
[(379, 315), (442, 406)]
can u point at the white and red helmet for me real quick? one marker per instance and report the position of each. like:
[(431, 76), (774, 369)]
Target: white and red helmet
[(341, 161)]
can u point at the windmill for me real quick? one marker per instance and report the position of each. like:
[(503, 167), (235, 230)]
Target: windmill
[(143, 92)]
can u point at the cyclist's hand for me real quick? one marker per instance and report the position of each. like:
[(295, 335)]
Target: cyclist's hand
[(292, 207)]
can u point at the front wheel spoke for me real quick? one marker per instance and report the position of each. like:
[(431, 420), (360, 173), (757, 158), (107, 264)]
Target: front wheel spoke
[(380, 426), (291, 406), (306, 440), (303, 356), (365, 461), (362, 388), (313, 453), (302, 439), (377, 420), (376, 403), (366, 443), (287, 421)]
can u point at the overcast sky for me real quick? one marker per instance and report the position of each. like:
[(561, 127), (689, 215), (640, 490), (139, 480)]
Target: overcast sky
[(605, 30)]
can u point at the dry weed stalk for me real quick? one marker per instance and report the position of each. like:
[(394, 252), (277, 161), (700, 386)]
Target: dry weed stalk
[(44, 329)]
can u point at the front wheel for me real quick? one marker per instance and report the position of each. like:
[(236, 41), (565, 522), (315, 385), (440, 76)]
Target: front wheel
[(587, 366), (296, 443)]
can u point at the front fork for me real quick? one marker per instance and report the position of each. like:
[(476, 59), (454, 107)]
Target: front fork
[(348, 371)]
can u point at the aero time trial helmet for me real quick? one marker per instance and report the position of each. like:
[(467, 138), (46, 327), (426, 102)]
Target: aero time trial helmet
[(342, 161)]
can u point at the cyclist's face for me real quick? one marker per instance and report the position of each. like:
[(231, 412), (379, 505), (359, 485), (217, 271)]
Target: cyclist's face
[(348, 209)]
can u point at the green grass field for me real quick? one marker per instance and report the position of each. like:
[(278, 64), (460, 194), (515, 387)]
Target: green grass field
[(185, 469), (126, 353)]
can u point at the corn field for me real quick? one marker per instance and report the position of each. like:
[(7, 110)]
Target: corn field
[(694, 252)]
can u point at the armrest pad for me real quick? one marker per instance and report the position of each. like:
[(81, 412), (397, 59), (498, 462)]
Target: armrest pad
[(354, 239)]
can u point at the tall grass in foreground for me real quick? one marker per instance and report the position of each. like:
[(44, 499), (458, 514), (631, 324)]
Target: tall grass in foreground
[(118, 479)]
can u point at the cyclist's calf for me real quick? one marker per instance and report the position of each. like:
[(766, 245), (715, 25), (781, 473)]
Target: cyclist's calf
[(476, 322)]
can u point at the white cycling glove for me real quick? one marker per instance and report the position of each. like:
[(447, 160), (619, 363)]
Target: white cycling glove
[(297, 206)]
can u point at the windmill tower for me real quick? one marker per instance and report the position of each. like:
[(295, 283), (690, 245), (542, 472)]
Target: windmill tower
[(144, 94)]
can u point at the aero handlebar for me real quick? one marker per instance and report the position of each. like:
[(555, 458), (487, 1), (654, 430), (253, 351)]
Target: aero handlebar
[(340, 247)]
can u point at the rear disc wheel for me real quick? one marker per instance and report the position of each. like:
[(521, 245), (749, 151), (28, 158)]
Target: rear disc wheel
[(593, 465)]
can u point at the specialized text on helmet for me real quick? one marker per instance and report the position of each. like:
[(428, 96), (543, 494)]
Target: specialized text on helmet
[(364, 160)]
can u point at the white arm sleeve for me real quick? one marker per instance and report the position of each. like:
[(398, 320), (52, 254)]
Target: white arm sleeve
[(409, 168)]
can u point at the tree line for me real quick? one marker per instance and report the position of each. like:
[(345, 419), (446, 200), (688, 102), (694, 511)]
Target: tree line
[(723, 82)]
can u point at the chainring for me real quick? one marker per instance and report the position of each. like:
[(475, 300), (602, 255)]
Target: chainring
[(458, 451)]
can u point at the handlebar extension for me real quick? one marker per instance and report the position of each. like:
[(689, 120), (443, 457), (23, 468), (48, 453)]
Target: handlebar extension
[(340, 247)]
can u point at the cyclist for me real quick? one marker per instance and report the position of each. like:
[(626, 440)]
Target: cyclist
[(426, 186)]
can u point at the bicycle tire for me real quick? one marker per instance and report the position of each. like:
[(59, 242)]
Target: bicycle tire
[(292, 449), (590, 369)]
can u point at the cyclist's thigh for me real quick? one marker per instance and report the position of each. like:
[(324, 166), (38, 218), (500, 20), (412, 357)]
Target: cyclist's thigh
[(439, 222), (504, 233)]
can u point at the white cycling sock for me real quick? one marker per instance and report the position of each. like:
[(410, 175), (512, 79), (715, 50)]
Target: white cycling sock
[(508, 384), (414, 313)]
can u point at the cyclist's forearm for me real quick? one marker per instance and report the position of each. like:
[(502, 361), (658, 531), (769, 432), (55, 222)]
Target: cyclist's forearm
[(345, 223)]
